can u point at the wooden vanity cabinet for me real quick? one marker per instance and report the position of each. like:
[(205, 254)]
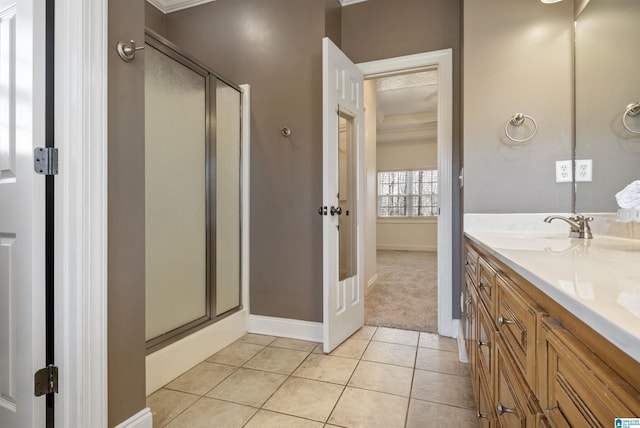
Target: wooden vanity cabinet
[(577, 387), (534, 364)]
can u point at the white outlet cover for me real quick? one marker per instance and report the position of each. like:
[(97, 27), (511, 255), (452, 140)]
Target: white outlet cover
[(564, 171), (584, 170)]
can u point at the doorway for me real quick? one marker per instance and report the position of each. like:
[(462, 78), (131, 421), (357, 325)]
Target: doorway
[(441, 62), (405, 293)]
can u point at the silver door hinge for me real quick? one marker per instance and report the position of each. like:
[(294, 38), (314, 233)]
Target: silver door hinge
[(46, 381), (45, 160)]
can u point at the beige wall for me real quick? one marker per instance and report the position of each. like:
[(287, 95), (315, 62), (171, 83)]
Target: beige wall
[(517, 58), (126, 250), (407, 155), (408, 234)]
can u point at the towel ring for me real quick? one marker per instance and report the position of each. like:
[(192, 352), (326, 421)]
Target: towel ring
[(632, 110), (517, 120)]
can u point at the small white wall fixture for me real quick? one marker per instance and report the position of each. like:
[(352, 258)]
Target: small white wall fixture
[(443, 60)]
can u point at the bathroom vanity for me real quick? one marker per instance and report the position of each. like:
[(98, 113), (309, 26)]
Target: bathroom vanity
[(552, 327)]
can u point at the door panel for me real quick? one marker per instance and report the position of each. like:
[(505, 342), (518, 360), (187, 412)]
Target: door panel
[(342, 189), (22, 328)]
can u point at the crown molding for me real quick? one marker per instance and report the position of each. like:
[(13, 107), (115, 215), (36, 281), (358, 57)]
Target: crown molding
[(168, 6)]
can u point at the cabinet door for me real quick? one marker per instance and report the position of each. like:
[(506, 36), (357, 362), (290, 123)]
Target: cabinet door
[(516, 321), (576, 388), (515, 404)]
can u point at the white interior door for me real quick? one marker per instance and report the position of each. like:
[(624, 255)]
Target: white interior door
[(343, 286), (22, 330)]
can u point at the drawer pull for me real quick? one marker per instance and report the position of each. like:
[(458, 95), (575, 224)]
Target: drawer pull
[(502, 320), (481, 343), (501, 409), (485, 284)]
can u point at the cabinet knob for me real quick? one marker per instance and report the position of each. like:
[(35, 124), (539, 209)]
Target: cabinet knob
[(501, 409), (484, 284), (502, 320), (481, 343), (482, 416)]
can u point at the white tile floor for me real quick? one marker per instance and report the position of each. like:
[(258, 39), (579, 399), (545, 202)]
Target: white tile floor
[(380, 377)]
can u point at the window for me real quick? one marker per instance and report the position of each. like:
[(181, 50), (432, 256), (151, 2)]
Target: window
[(408, 193)]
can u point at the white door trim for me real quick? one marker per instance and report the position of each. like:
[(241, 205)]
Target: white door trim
[(443, 59), (81, 212)]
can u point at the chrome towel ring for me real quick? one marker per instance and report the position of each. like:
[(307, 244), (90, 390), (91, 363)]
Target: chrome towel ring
[(632, 110), (517, 120)]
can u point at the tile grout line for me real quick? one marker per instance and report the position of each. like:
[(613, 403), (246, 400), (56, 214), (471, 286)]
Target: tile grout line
[(350, 377)]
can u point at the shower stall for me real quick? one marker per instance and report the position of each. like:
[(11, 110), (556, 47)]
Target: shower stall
[(194, 196)]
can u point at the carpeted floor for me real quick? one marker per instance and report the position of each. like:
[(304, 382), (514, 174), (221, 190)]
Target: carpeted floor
[(406, 294)]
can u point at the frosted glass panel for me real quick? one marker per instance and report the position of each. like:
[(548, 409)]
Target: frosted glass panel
[(227, 198), (175, 194)]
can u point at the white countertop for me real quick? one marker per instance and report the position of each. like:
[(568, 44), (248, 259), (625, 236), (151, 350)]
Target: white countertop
[(598, 280)]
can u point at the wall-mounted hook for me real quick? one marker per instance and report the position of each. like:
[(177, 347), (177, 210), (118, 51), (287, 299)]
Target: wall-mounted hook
[(127, 50), (285, 131)]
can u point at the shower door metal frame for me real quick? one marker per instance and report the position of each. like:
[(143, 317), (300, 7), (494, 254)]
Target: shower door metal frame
[(164, 46)]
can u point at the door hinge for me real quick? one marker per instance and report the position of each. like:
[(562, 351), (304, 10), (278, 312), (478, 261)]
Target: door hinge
[(46, 381), (45, 160)]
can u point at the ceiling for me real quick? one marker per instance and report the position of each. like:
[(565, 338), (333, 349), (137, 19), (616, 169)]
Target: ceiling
[(407, 106), (168, 6)]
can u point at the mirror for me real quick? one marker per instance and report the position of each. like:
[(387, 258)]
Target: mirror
[(607, 67), (347, 194)]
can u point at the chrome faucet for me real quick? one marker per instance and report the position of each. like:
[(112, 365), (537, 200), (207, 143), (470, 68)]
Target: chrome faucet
[(579, 224)]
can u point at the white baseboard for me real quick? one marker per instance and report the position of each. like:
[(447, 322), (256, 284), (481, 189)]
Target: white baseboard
[(407, 247), (462, 347), (142, 419), (171, 361), (284, 327)]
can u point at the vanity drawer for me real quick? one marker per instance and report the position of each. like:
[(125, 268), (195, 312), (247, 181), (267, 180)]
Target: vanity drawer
[(575, 387), (471, 263), (515, 404), (516, 321), (487, 285)]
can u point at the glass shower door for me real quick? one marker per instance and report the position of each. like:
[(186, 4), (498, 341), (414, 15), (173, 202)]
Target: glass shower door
[(192, 194), (175, 198)]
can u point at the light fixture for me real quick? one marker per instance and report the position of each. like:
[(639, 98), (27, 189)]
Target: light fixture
[(550, 1)]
